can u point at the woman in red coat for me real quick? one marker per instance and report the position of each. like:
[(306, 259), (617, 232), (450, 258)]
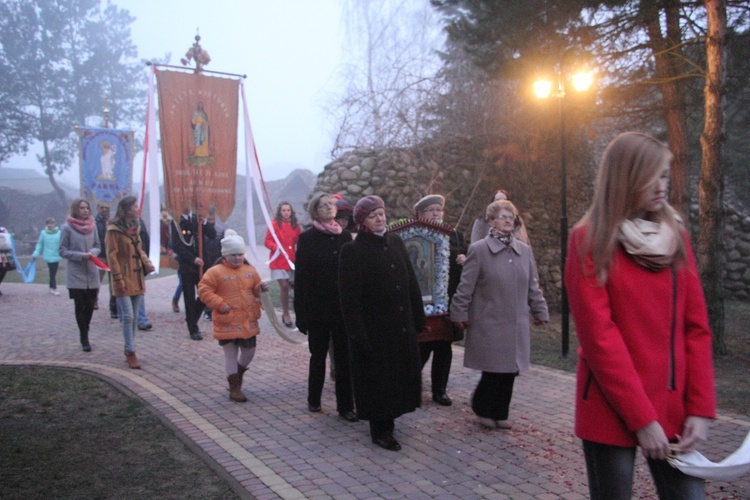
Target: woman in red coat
[(645, 370), (287, 231)]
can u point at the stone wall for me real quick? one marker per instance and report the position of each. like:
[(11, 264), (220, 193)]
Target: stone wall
[(736, 248), (401, 177)]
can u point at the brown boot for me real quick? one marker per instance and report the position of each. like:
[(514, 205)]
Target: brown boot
[(175, 306), (241, 371), (132, 360), (235, 392)]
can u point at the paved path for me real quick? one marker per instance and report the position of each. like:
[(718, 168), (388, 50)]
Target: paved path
[(272, 447)]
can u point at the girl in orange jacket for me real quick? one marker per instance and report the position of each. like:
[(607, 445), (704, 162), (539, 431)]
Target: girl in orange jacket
[(232, 289)]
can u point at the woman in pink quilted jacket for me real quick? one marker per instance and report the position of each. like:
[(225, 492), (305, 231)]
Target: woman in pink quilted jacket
[(232, 289)]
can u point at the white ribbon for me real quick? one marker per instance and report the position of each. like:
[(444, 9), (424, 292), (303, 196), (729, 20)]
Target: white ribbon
[(150, 159), (695, 464), (252, 169)]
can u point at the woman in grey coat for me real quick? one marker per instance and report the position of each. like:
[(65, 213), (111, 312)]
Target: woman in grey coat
[(481, 226), (499, 286), (79, 242)]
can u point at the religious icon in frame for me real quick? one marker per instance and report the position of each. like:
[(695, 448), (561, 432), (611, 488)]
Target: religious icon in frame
[(428, 247)]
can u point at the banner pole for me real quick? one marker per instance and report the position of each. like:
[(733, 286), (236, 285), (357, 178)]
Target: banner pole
[(190, 70)]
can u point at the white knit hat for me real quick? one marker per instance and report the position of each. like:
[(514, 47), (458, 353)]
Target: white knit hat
[(232, 243)]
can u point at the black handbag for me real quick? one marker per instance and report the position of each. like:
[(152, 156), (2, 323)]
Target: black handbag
[(458, 333)]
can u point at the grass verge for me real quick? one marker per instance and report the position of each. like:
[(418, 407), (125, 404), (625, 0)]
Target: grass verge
[(67, 434)]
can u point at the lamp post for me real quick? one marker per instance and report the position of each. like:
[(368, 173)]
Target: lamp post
[(543, 89)]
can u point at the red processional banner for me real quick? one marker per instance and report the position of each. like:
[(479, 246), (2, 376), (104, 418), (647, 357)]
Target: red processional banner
[(198, 124)]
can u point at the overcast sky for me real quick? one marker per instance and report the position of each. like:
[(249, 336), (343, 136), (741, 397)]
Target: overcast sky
[(290, 51)]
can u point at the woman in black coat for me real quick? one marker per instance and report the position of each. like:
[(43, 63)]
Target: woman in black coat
[(316, 303), (382, 308)]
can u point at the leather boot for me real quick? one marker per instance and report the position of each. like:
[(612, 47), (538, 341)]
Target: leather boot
[(132, 360), (235, 392), (85, 342), (175, 306), (241, 371)]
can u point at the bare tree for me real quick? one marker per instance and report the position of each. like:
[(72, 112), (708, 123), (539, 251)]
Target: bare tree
[(392, 45)]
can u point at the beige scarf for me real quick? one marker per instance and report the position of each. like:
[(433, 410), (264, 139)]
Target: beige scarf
[(652, 244)]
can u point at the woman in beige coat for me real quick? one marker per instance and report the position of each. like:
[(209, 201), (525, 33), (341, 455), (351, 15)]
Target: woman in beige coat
[(499, 287), (129, 266)]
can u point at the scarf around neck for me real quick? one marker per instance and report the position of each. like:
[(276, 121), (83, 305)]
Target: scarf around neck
[(82, 226), (129, 228), (327, 228), (652, 244), (501, 235)]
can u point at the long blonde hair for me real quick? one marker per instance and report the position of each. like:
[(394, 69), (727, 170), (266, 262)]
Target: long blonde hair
[(631, 164)]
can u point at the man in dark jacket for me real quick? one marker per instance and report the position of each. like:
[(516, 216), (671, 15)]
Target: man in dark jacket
[(211, 251), (102, 217), (143, 323), (185, 246)]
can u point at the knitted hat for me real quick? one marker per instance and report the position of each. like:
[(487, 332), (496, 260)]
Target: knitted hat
[(343, 207), (430, 199), (232, 243), (366, 205)]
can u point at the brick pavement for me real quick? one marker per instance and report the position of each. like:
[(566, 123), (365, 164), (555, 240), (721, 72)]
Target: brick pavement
[(272, 447)]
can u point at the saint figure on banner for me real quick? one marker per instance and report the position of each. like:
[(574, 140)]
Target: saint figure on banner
[(107, 161), (199, 123)]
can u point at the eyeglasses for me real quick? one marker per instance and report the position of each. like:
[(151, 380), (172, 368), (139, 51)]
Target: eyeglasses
[(504, 218)]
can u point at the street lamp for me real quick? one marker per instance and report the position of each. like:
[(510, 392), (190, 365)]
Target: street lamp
[(581, 82)]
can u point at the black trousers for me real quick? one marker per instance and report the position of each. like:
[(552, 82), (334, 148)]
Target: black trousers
[(193, 305), (610, 472), (381, 428), (52, 266), (319, 336), (442, 356), (84, 301), (492, 396)]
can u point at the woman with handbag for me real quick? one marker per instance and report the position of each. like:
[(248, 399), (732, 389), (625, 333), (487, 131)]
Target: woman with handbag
[(79, 242), (129, 265), (645, 369)]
